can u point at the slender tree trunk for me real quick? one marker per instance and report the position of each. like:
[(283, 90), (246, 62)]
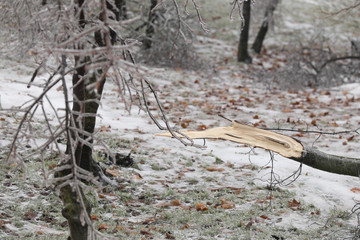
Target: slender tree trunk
[(85, 102), (243, 55), (72, 210), (150, 26), (257, 45), (119, 9), (85, 106), (121, 6)]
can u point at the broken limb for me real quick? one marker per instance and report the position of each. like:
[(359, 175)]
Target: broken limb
[(284, 145)]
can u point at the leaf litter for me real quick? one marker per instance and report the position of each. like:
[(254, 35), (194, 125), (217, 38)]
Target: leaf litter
[(177, 192)]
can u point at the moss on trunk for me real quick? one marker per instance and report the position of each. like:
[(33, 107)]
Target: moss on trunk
[(72, 211)]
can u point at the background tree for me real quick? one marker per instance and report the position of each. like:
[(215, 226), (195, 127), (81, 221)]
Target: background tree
[(268, 18), (168, 35), (119, 9), (150, 24), (243, 54), (121, 6)]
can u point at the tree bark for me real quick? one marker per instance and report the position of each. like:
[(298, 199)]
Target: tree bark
[(330, 163), (243, 55), (257, 45), (119, 9), (121, 6), (72, 211), (84, 109), (150, 25), (284, 145), (85, 102)]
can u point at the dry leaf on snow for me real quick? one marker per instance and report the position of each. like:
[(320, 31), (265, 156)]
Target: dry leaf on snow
[(201, 207)]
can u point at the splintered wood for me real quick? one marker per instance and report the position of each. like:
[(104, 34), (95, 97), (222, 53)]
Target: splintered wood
[(284, 145)]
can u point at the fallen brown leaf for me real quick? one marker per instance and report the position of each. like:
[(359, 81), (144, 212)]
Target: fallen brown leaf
[(175, 203), (186, 226), (249, 224), (114, 172), (350, 138), (355, 190), (103, 226), (201, 127), (145, 231), (137, 176), (226, 204), (168, 235), (105, 128), (214, 169), (201, 207), (293, 204), (30, 215)]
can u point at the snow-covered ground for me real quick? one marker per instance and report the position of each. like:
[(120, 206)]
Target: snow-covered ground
[(316, 205), (178, 192)]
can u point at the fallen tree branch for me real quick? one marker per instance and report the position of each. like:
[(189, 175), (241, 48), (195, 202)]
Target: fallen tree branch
[(330, 163), (284, 145)]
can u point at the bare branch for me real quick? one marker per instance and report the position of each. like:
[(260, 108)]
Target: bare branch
[(343, 10)]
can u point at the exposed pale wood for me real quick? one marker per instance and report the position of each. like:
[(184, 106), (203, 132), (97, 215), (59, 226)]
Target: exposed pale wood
[(281, 144), (240, 133)]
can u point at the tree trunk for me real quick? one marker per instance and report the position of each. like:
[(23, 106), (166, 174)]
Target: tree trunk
[(150, 26), (85, 107), (121, 6), (243, 55), (72, 211), (257, 45), (119, 10), (85, 102), (284, 145)]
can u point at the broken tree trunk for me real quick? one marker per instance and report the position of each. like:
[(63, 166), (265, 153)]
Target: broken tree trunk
[(284, 145)]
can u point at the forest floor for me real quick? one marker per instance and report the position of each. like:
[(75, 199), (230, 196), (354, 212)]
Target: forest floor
[(178, 192)]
